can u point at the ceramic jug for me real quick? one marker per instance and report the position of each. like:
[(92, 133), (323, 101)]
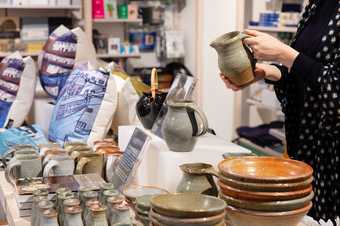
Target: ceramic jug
[(180, 126), (90, 163), (62, 197), (20, 149), (150, 104), (235, 59), (59, 165), (107, 194), (98, 216), (49, 218), (35, 212), (198, 178), (44, 205), (23, 166), (73, 216), (120, 214), (86, 216)]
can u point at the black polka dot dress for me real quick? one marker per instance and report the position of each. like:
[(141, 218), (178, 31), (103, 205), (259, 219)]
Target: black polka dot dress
[(310, 97)]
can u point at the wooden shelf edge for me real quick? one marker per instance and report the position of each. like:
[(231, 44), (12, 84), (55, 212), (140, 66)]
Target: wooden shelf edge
[(117, 21), (118, 56), (273, 29), (70, 7)]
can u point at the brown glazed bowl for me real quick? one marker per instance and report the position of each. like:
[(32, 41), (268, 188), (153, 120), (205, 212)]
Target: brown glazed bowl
[(187, 205), (263, 196), (203, 221), (275, 206), (240, 217), (257, 169), (269, 187)]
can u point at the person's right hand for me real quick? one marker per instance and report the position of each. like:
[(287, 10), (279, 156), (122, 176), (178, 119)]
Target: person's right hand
[(261, 71)]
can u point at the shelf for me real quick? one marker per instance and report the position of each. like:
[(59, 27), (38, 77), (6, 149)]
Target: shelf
[(118, 56), (67, 7), (117, 21), (273, 29), (5, 54)]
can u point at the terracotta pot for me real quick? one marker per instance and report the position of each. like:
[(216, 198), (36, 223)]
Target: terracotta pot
[(263, 196), (241, 217)]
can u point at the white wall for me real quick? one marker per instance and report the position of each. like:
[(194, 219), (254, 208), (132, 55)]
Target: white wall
[(217, 18)]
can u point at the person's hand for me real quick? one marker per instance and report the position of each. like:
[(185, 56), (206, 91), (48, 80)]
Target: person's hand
[(267, 48), (261, 71)]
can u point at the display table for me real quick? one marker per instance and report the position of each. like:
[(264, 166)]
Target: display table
[(160, 166), (9, 204)]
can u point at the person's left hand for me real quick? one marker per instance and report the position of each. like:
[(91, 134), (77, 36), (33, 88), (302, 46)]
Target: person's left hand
[(267, 48)]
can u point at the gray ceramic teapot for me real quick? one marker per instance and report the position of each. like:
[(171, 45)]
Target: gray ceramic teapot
[(181, 127)]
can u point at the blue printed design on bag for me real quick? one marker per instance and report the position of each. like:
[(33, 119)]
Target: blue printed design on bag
[(77, 106), (57, 63), (10, 74), (32, 135)]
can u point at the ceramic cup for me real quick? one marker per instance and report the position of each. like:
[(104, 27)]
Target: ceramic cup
[(23, 166), (20, 149), (90, 163), (235, 59), (59, 165)]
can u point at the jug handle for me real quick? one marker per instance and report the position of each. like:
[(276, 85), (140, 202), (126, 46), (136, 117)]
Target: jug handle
[(249, 51), (210, 171), (154, 83), (80, 166), (50, 165), (9, 175), (6, 154), (205, 126)]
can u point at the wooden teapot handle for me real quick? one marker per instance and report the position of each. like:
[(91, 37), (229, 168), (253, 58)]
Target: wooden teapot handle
[(154, 82)]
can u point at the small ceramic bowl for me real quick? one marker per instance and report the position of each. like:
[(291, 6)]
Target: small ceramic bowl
[(134, 191), (263, 196), (187, 205), (276, 206), (143, 203), (204, 221), (271, 187), (241, 217), (261, 169)]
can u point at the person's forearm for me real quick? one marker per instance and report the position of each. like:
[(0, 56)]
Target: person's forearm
[(288, 56)]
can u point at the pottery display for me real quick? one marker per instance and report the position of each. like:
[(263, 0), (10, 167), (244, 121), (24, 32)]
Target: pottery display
[(265, 169), (132, 192), (235, 59), (150, 104), (198, 178), (187, 205), (240, 217), (263, 196), (180, 126)]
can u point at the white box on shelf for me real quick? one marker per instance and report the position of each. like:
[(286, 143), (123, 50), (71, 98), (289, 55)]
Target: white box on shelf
[(36, 2), (113, 45), (63, 2)]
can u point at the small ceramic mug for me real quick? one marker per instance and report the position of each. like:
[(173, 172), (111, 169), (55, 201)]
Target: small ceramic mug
[(59, 165), (90, 163), (22, 166)]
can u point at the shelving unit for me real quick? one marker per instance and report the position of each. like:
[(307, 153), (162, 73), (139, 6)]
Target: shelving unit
[(118, 56)]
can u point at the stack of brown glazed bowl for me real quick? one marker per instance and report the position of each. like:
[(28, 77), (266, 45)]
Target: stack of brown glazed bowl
[(265, 191), (186, 209)]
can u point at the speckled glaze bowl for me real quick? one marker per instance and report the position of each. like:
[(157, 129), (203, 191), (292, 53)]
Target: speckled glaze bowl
[(187, 205), (255, 169), (263, 196), (268, 187), (275, 206), (174, 221), (240, 217)]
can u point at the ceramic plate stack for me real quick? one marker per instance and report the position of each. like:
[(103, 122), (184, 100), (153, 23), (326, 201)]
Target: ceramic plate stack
[(265, 190), (187, 210), (142, 208)]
